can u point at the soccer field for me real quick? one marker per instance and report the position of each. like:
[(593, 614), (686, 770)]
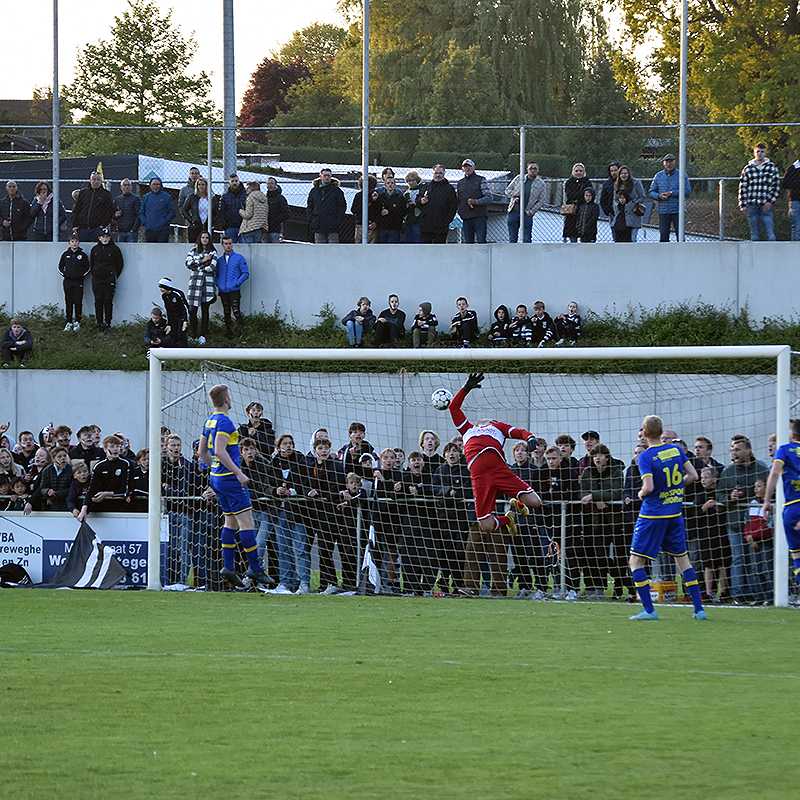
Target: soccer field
[(142, 695)]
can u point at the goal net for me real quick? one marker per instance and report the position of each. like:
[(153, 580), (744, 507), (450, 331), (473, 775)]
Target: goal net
[(358, 484)]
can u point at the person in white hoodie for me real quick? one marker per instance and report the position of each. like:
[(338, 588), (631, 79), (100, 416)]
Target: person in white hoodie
[(759, 188)]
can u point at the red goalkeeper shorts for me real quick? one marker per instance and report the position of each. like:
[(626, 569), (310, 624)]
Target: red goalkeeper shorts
[(492, 476)]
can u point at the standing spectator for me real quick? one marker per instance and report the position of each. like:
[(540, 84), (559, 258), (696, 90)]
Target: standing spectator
[(155, 333), (439, 203), (358, 322), (464, 325), (607, 192), (499, 332), (196, 209), (590, 440), (473, 198), (574, 187), (157, 212), (17, 344), (429, 442), (106, 262), (703, 447), (278, 211), (587, 215), (735, 490), (521, 328), (42, 214), (232, 272), (357, 448), (93, 209), (259, 428), (423, 329), (628, 203), (56, 478), (412, 232), (187, 190), (177, 313), (568, 326), (373, 210), (707, 527), (390, 327), (392, 212), (201, 261), (544, 330), (326, 208), (534, 193), (127, 208), (664, 188), (74, 267), (759, 188), (759, 537), (258, 471), (791, 185), (15, 215), (86, 450), (230, 204), (254, 215)]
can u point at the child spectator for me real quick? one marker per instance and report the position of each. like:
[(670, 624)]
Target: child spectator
[(499, 333), (568, 326), (56, 479), (86, 450), (412, 233), (177, 314), (586, 217), (464, 325), (25, 451), (521, 327), (201, 261), (74, 267), (156, 331), (106, 262), (759, 535), (358, 322), (17, 344), (110, 487), (392, 203), (431, 460), (423, 331), (78, 490), (544, 330), (20, 497), (390, 326)]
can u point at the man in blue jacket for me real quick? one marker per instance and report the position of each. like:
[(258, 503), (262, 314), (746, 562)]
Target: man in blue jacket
[(156, 213), (232, 272), (664, 189)]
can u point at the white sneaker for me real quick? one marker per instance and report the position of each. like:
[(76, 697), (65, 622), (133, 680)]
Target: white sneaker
[(572, 595), (68, 327), (303, 589), (281, 589), (330, 589), (201, 340), (76, 326)]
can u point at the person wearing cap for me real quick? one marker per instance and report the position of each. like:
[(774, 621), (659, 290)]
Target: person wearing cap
[(664, 188), (438, 201), (759, 189), (157, 213), (473, 198), (106, 262), (177, 314), (233, 201), (590, 439), (93, 209)]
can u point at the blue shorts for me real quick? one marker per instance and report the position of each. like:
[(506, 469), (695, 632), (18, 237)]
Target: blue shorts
[(791, 517), (233, 498), (653, 536)]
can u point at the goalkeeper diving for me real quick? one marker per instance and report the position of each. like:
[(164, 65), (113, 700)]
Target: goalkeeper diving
[(490, 474)]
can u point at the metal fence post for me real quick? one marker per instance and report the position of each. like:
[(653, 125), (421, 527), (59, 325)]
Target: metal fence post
[(359, 525), (56, 130), (521, 184), (563, 563), (721, 200), (210, 164)]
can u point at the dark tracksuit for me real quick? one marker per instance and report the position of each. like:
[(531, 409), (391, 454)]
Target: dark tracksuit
[(529, 547), (521, 330), (74, 266), (111, 476), (465, 327), (177, 314), (106, 263), (499, 333)]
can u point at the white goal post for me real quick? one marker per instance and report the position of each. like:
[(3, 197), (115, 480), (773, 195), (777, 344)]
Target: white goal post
[(779, 354)]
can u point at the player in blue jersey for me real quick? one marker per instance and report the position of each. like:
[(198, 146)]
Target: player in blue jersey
[(219, 447), (660, 525), (787, 465)]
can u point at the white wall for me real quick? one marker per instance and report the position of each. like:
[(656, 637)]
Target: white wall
[(301, 278)]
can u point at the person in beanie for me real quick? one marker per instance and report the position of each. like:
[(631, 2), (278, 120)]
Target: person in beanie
[(423, 329), (105, 260), (473, 198), (74, 267), (177, 313), (17, 343)]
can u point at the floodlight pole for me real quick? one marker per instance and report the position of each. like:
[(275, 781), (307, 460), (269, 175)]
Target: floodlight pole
[(154, 476), (365, 123), (56, 122), (229, 100), (682, 121)]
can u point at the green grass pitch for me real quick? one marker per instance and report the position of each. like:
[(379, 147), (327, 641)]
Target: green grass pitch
[(143, 695)]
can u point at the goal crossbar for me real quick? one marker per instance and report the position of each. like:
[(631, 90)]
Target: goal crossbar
[(781, 354)]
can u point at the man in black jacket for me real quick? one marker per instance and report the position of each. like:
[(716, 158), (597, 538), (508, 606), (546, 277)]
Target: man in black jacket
[(106, 262), (326, 207), (791, 185), (126, 213), (607, 193), (473, 198), (439, 203), (15, 218), (94, 209), (278, 210), (17, 344)]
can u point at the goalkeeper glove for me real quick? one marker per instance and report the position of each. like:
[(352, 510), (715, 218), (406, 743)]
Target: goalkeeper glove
[(473, 381), (531, 444)]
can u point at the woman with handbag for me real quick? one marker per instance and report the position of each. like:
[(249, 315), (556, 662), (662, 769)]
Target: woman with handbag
[(629, 200), (574, 188)]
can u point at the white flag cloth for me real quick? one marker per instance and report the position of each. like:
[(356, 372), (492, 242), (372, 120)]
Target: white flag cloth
[(367, 563)]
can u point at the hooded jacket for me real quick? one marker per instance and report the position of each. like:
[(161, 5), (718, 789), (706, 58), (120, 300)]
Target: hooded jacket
[(588, 214), (106, 263), (278, 209), (635, 195), (229, 206), (18, 210), (498, 332), (255, 213), (425, 321), (326, 207)]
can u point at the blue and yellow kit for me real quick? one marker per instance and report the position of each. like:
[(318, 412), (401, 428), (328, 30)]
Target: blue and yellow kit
[(789, 456), (233, 498)]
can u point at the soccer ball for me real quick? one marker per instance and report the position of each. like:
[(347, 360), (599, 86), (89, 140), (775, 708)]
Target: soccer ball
[(440, 399)]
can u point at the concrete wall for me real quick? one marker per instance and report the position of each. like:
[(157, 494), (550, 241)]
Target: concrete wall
[(301, 278)]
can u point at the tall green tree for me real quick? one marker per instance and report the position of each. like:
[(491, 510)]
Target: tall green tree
[(141, 75), (314, 46)]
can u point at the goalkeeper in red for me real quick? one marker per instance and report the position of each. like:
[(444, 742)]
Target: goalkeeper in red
[(490, 474)]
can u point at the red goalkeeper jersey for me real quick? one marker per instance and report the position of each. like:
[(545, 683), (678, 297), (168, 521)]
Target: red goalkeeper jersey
[(485, 435)]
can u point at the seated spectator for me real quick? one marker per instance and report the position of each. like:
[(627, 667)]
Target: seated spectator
[(326, 206), (127, 207), (392, 212), (201, 261), (358, 322), (568, 326), (56, 479), (412, 231), (521, 327), (74, 266), (373, 211), (157, 212), (196, 209), (390, 327), (42, 213), (93, 209), (499, 332), (17, 344), (232, 272), (259, 429), (77, 498), (544, 330), (230, 204), (587, 215), (278, 211), (15, 215), (106, 262), (439, 203), (155, 332), (254, 215), (464, 325), (177, 314), (423, 330)]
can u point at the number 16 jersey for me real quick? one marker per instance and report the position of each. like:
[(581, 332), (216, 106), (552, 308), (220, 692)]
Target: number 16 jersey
[(664, 463)]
